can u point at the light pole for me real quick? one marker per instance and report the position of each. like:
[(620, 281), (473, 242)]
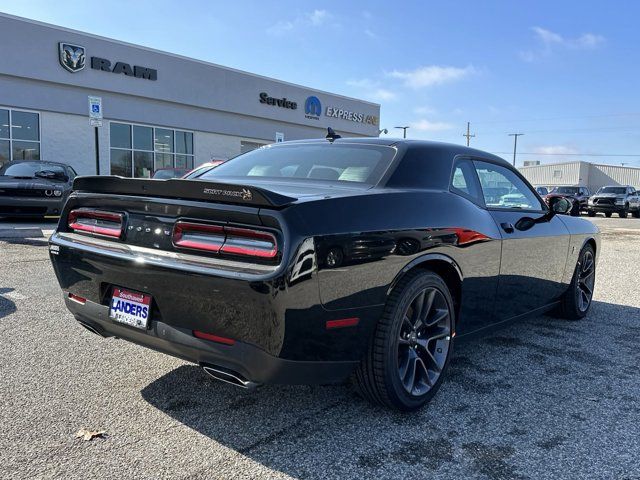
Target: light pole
[(404, 131), (515, 145)]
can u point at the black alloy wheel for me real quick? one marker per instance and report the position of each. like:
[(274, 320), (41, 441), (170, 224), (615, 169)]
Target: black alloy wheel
[(334, 258), (578, 298), (412, 345), (423, 341), (586, 279)]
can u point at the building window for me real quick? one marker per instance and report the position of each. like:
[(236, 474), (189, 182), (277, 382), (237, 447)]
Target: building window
[(248, 146), (19, 135), (138, 150)]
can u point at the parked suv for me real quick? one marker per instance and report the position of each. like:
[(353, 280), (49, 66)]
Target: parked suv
[(615, 199), (578, 196)]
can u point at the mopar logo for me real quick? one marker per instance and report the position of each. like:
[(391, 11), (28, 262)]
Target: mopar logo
[(312, 108)]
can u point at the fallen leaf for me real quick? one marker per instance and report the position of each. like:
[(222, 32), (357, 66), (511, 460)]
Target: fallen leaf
[(88, 435)]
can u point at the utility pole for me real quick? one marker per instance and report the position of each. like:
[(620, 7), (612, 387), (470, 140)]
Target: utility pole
[(515, 145), (404, 131), (468, 134)]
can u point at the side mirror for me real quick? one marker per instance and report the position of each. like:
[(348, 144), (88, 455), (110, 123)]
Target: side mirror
[(561, 205)]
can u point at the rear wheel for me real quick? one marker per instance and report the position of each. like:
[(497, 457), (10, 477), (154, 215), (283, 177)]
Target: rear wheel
[(412, 344), (577, 299)]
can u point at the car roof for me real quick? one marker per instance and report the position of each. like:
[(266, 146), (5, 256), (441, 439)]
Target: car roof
[(440, 147)]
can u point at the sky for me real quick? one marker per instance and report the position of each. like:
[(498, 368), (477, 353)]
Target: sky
[(566, 74)]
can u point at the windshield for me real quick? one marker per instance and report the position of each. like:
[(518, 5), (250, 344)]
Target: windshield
[(615, 190), (169, 173), (33, 169), (327, 162), (566, 190)]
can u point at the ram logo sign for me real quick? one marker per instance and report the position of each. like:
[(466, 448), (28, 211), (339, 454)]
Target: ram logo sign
[(72, 57)]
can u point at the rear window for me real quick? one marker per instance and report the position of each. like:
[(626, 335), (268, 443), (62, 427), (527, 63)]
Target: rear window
[(336, 163)]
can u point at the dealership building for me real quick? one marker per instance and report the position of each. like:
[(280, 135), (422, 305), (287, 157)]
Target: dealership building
[(581, 174), (150, 109)]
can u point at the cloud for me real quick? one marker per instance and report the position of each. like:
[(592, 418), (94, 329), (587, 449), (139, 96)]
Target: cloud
[(555, 150), (425, 110), (429, 126), (372, 90), (549, 41), (316, 18), (431, 75), (369, 33)]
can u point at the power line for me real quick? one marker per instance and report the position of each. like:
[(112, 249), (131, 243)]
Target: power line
[(575, 154), (607, 115)]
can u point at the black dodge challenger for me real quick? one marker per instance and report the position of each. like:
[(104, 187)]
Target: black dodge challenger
[(34, 188), (238, 270)]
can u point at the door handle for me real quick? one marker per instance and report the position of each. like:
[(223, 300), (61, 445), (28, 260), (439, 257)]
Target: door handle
[(507, 227)]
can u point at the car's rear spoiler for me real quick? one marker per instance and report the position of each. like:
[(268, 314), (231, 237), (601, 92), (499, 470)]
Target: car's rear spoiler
[(184, 189)]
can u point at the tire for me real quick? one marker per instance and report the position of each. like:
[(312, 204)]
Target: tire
[(623, 213), (636, 213), (575, 210), (577, 299), (591, 213), (607, 214), (334, 257), (404, 366)]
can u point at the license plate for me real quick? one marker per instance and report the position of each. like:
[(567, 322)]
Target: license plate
[(130, 308)]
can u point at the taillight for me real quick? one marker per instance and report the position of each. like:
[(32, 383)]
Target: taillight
[(96, 222), (198, 236), (225, 239), (252, 243)]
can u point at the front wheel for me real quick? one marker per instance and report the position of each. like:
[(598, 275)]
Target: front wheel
[(591, 213), (623, 213), (411, 347), (577, 299), (636, 213), (607, 214)]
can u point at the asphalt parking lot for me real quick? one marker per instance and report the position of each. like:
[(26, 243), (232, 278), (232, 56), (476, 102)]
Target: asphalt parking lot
[(545, 398)]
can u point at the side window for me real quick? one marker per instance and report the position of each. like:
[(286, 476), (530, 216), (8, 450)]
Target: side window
[(465, 182), (502, 188)]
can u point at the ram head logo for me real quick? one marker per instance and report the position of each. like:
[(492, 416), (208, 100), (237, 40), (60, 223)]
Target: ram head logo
[(246, 194), (71, 57)]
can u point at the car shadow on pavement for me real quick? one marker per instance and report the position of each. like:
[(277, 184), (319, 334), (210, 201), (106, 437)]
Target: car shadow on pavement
[(7, 306), (516, 393)]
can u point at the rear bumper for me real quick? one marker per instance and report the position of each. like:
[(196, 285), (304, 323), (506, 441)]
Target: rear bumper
[(252, 363), (31, 207), (279, 326)]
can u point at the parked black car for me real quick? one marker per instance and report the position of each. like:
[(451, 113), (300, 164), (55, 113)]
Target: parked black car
[(34, 188), (579, 196), (230, 271), (615, 199)]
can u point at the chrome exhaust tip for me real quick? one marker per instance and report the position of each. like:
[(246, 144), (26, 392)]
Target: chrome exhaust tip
[(229, 376)]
